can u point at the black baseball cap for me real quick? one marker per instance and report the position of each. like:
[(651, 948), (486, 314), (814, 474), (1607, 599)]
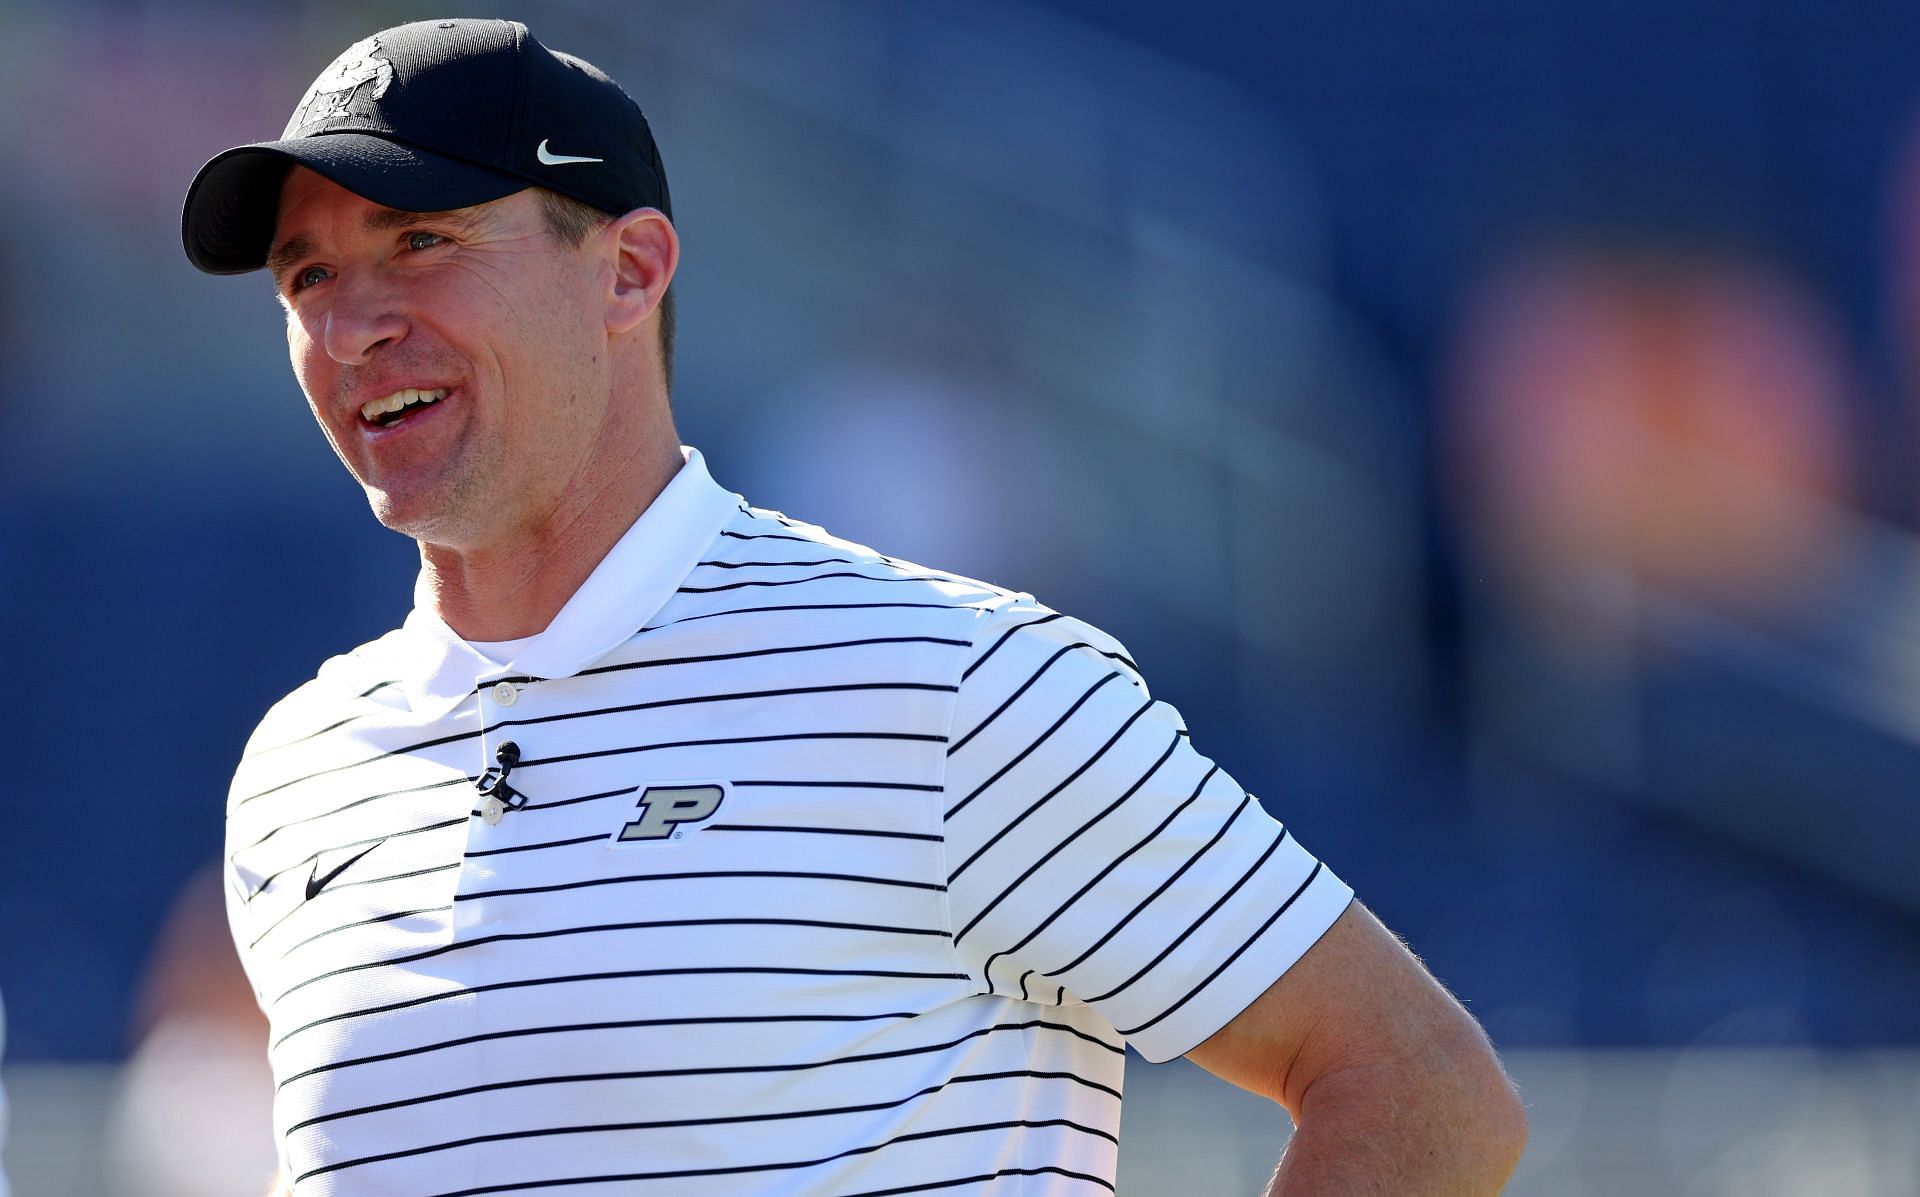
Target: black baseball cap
[(429, 117)]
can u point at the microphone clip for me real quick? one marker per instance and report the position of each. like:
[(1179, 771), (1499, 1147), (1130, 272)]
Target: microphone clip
[(496, 796)]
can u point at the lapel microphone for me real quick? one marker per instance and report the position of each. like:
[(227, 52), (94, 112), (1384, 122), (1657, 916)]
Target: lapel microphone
[(496, 796)]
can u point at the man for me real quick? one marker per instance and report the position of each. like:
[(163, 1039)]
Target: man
[(673, 846)]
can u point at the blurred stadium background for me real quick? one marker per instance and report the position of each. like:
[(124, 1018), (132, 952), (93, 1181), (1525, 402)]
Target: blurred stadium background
[(1494, 425)]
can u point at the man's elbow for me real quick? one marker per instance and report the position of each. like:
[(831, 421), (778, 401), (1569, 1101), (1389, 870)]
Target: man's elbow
[(1481, 1100), (1506, 1118), (1441, 1100)]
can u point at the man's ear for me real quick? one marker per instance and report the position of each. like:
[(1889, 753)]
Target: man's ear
[(644, 251)]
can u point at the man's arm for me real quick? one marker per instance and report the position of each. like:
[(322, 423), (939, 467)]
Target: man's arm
[(1393, 1087)]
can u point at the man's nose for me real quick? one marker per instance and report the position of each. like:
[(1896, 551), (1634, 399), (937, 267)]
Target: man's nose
[(362, 317)]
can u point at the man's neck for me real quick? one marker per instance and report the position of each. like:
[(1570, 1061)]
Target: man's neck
[(514, 589)]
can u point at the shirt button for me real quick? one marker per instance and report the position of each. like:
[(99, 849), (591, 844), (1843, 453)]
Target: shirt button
[(504, 693)]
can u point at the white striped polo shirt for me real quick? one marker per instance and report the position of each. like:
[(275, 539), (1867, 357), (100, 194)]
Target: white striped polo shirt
[(816, 872)]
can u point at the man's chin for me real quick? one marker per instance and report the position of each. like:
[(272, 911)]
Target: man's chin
[(413, 516)]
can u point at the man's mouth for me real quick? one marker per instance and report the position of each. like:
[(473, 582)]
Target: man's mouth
[(397, 406)]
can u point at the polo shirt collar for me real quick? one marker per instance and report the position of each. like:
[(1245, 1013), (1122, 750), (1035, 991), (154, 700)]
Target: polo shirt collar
[(629, 586)]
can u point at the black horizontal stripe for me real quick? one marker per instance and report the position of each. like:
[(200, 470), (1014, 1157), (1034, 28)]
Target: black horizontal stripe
[(754, 583), (369, 692), (567, 843), (724, 1070), (1237, 953), (569, 1028), (731, 696), (339, 885), (981, 1178), (842, 785), (676, 1123), (783, 650), (1008, 828), (276, 924), (868, 831), (1065, 843), (772, 564), (1039, 929), (809, 607), (550, 805), (595, 929), (1005, 636), (394, 917), (767, 515), (270, 878), (625, 708), (1024, 687), (1022, 755), (1245, 802), (422, 788), (409, 750), (310, 861), (336, 725), (1122, 658), (639, 877), (658, 746), (1029, 1123), (1199, 922), (622, 975), (768, 536)]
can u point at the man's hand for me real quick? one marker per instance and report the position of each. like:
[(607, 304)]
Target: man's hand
[(1393, 1087)]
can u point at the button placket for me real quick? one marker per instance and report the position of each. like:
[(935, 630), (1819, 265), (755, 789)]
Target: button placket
[(499, 755)]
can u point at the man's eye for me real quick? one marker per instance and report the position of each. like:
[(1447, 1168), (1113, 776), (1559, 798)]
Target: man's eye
[(423, 240), (308, 277)]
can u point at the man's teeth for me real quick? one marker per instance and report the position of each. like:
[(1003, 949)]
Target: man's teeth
[(373, 409)]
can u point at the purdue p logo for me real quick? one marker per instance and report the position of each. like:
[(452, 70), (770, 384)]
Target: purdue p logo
[(664, 808)]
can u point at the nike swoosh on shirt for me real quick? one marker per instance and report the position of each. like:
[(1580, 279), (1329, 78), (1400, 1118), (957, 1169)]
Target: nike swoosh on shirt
[(549, 158), (316, 883)]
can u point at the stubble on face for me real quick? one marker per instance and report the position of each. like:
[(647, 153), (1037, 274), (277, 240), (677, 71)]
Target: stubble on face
[(502, 315)]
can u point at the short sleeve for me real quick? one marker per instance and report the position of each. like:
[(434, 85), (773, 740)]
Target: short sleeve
[(1093, 854)]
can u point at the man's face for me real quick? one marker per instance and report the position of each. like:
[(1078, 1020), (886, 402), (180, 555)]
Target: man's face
[(491, 330)]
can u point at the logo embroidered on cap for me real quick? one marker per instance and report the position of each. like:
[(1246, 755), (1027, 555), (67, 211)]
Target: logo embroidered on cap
[(549, 158), (664, 808), (337, 86)]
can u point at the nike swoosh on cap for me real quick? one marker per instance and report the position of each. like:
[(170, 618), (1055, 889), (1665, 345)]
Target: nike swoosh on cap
[(549, 158), (316, 883)]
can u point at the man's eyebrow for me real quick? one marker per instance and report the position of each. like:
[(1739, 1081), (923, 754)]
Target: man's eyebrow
[(385, 219), (287, 253), (379, 221)]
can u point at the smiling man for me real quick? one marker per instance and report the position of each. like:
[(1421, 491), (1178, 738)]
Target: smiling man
[(673, 847)]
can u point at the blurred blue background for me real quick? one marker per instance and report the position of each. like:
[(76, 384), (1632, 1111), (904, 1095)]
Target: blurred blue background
[(1492, 424)]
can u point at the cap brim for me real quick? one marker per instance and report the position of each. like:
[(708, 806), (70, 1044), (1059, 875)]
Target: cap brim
[(227, 223)]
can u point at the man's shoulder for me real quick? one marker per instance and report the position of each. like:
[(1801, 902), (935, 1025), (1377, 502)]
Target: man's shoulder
[(767, 560), (341, 685)]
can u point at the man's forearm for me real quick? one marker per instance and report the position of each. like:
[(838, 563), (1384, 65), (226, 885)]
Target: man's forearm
[(1391, 1131)]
